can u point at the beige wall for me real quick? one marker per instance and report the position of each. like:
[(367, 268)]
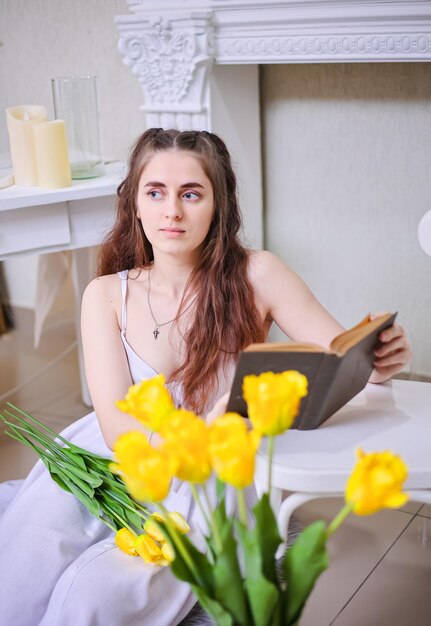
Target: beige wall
[(348, 177), (347, 151), (47, 38)]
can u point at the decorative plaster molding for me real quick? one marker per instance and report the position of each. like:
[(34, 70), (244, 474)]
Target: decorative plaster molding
[(171, 57), (323, 48)]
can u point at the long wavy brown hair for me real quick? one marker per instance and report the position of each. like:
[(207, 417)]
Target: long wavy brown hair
[(226, 318)]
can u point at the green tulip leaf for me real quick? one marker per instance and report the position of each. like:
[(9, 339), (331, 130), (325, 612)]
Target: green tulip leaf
[(92, 479), (111, 488), (263, 594), (128, 506), (189, 565), (259, 546), (228, 584), (213, 608), (75, 458), (112, 510), (220, 519), (220, 489), (267, 536), (82, 485), (133, 518), (57, 479), (100, 466), (112, 505), (89, 502), (303, 564)]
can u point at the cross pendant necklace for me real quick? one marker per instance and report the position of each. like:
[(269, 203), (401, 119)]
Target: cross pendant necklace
[(156, 331)]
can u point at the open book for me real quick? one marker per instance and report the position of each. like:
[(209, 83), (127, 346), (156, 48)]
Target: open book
[(334, 375)]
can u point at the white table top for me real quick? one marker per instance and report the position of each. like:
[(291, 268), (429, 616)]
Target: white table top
[(18, 196), (393, 416)]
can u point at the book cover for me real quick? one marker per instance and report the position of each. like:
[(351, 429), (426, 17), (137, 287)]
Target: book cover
[(335, 375)]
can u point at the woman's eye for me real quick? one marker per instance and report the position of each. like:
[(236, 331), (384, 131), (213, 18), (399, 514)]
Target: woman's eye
[(191, 195), (155, 194)]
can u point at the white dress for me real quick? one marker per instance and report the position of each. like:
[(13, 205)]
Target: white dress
[(59, 566)]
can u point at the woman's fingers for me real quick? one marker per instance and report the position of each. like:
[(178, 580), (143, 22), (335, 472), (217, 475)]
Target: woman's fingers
[(393, 352)]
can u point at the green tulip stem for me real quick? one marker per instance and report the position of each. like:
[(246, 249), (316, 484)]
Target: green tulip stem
[(72, 447), (210, 521), (142, 513), (242, 508), (102, 519), (108, 509), (176, 538), (339, 518), (271, 441)]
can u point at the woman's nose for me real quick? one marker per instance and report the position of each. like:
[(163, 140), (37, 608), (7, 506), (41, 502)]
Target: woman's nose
[(173, 209)]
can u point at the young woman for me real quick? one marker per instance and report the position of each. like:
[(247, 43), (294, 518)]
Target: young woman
[(177, 293)]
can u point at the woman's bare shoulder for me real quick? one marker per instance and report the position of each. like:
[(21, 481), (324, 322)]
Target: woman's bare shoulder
[(265, 269), (103, 290), (262, 260)]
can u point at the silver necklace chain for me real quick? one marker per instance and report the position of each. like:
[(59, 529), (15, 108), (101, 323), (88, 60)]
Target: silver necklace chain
[(156, 331)]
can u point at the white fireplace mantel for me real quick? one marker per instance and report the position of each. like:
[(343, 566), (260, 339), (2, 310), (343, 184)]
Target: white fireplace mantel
[(171, 45), (256, 31), (197, 61)]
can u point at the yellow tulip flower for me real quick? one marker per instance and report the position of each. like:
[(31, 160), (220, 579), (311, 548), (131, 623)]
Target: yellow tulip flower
[(158, 516), (150, 551), (273, 400), (149, 402), (179, 522), (167, 551), (146, 471), (125, 540), (176, 519), (129, 449), (233, 449), (376, 482), (186, 441), (153, 529)]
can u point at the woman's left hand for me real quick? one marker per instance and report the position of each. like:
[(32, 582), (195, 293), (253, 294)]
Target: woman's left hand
[(392, 355)]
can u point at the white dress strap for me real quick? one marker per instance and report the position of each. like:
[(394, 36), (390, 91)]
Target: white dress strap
[(123, 275)]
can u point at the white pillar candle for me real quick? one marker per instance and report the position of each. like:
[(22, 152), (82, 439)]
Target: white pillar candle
[(20, 122), (52, 159)]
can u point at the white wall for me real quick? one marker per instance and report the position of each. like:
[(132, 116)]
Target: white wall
[(348, 177), (48, 38)]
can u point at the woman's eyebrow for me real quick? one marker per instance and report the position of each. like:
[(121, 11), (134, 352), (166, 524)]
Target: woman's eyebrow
[(192, 185), (155, 183)]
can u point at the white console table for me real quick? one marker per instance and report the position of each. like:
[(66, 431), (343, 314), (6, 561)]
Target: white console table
[(36, 221)]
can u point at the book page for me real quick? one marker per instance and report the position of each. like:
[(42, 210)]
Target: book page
[(349, 338), (285, 347), (339, 346)]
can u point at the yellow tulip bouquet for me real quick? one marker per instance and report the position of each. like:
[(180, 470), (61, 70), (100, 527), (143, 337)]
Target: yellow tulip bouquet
[(232, 570), (235, 577)]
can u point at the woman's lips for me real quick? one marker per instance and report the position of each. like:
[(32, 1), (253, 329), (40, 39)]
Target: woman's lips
[(172, 233)]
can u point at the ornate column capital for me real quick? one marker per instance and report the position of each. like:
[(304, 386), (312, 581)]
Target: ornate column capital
[(171, 54)]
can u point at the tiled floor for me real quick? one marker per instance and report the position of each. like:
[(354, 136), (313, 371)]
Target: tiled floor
[(48, 386), (380, 566)]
